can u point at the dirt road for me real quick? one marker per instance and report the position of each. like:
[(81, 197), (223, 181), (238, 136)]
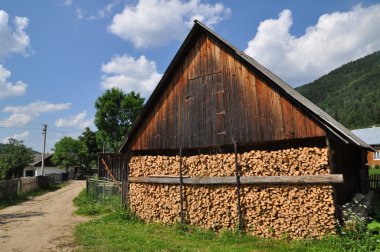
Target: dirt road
[(45, 223)]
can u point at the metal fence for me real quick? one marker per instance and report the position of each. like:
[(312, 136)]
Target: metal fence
[(102, 188)]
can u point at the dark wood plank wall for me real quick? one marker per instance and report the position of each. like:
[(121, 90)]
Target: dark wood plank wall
[(115, 162), (212, 98), (347, 161)]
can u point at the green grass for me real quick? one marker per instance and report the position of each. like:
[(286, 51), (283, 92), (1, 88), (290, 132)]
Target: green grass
[(16, 199), (89, 206), (373, 171), (115, 233), (117, 229)]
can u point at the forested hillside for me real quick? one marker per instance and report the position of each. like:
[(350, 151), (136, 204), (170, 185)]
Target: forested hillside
[(350, 93)]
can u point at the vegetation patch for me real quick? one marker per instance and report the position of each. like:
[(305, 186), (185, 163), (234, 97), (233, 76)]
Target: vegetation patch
[(89, 206), (374, 169), (118, 229), (349, 93), (16, 199)]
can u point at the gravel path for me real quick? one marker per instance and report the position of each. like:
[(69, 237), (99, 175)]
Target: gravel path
[(44, 223)]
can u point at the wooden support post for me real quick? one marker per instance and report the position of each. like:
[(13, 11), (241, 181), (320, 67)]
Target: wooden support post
[(181, 184), (111, 175), (332, 171), (123, 178), (238, 188), (363, 173), (126, 188)]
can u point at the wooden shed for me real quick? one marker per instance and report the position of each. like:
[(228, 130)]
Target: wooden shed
[(222, 140)]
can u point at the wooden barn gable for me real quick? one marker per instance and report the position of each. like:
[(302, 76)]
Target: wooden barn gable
[(213, 94)]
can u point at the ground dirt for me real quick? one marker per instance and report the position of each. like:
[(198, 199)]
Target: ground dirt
[(44, 223)]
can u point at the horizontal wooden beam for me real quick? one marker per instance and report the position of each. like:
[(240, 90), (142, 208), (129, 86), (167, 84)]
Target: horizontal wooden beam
[(257, 180)]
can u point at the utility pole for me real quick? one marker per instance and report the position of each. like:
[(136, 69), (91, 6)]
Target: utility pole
[(43, 152)]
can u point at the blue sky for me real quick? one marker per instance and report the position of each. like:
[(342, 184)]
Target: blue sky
[(58, 56)]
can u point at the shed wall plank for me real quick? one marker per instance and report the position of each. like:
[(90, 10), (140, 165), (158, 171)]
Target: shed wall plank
[(210, 81)]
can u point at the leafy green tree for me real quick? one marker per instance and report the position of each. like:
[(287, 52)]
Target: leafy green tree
[(14, 157), (115, 114), (69, 152), (349, 93), (89, 138)]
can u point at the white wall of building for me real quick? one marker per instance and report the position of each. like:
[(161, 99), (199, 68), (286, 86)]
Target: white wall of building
[(47, 170)]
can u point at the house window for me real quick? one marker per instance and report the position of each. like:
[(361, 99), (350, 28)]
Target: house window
[(29, 173), (376, 155)]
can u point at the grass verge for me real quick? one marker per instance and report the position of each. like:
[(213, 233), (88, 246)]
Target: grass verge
[(120, 230), (16, 199), (89, 206)]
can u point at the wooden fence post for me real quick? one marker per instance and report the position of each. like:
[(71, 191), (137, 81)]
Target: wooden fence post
[(19, 187), (87, 184)]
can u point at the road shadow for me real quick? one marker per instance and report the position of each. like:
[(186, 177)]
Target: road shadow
[(6, 218)]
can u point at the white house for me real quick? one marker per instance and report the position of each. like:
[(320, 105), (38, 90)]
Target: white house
[(34, 169)]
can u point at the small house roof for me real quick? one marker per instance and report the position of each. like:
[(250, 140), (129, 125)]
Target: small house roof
[(369, 135), (38, 158), (318, 114)]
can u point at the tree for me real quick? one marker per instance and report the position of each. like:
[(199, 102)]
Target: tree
[(89, 138), (14, 157), (115, 114), (69, 152)]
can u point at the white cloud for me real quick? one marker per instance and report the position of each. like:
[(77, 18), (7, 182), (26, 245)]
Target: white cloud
[(130, 74), (26, 114), (157, 22), (8, 88), (13, 40), (20, 137), (67, 2), (104, 12), (337, 38), (76, 121)]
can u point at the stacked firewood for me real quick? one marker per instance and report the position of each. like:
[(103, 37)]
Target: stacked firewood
[(287, 162), (288, 211), (156, 203), (292, 211)]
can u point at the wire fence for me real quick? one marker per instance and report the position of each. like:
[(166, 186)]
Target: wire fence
[(101, 189)]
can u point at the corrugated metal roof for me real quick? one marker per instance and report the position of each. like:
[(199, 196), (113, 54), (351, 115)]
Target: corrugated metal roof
[(330, 123), (369, 135)]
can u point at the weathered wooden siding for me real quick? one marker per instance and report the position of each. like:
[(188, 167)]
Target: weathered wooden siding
[(115, 162), (213, 98)]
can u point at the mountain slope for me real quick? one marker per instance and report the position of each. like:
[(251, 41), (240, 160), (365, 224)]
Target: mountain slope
[(350, 93), (3, 145)]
